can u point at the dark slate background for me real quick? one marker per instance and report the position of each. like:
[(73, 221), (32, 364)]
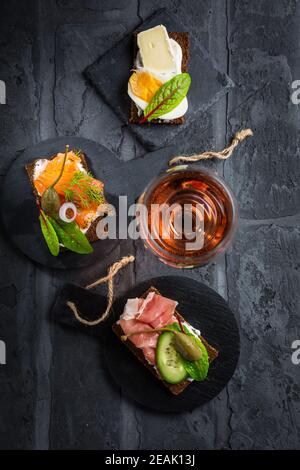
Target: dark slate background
[(54, 389)]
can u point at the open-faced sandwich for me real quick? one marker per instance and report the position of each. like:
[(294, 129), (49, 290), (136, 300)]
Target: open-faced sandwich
[(164, 341), (70, 201), (159, 81)]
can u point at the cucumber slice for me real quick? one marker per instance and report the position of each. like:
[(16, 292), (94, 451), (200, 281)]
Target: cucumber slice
[(169, 362)]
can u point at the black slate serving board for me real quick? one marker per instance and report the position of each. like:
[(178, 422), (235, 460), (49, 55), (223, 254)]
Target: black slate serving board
[(199, 304), (20, 214), (111, 72)]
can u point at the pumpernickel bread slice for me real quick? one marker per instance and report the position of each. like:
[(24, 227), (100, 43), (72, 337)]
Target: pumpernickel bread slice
[(91, 233), (183, 41), (175, 389)]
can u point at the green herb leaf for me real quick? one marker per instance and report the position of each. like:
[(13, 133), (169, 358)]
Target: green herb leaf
[(70, 235), (197, 370), (49, 234), (168, 97), (77, 152), (81, 190)]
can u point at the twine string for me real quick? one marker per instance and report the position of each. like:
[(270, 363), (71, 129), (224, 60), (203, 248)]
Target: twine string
[(109, 279), (223, 154)]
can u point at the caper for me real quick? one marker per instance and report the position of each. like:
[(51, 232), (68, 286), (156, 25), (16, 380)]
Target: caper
[(186, 346), (50, 201)]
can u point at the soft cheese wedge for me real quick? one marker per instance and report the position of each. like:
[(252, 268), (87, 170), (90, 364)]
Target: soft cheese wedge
[(155, 49)]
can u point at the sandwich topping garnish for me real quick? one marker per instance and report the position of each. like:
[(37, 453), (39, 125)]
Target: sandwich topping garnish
[(168, 97), (71, 237), (49, 233), (168, 343), (157, 86), (175, 348), (69, 201), (84, 190), (50, 201), (184, 344), (68, 212), (196, 369), (144, 85)]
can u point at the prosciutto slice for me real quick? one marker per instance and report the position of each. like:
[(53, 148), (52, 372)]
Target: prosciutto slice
[(134, 307), (155, 311), (156, 307), (143, 340), (131, 309), (149, 354), (164, 320)]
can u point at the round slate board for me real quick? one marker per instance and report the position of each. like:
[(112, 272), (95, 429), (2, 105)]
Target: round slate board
[(205, 310), (20, 213)]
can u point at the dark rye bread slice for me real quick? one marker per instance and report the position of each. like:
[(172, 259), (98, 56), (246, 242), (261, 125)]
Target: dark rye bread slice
[(91, 233), (183, 41), (176, 389)]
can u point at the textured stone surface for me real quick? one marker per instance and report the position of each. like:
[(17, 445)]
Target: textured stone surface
[(262, 288), (54, 390)]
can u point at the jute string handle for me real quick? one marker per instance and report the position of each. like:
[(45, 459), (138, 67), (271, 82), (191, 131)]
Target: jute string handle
[(223, 154), (109, 278)]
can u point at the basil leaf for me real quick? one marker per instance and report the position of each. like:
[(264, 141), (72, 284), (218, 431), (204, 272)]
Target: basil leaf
[(70, 235), (168, 97), (49, 234), (197, 370)]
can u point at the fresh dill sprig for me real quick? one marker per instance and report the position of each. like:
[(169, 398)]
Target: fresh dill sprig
[(80, 189), (77, 152), (69, 194)]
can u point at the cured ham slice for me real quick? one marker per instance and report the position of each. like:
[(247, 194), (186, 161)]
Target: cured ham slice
[(164, 320), (156, 307), (131, 309), (143, 340), (149, 354), (134, 307), (155, 311), (173, 319)]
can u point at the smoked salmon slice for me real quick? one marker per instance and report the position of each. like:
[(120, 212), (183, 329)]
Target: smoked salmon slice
[(86, 208), (52, 170)]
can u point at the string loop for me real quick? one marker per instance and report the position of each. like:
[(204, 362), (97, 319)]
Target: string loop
[(113, 270), (222, 155)]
